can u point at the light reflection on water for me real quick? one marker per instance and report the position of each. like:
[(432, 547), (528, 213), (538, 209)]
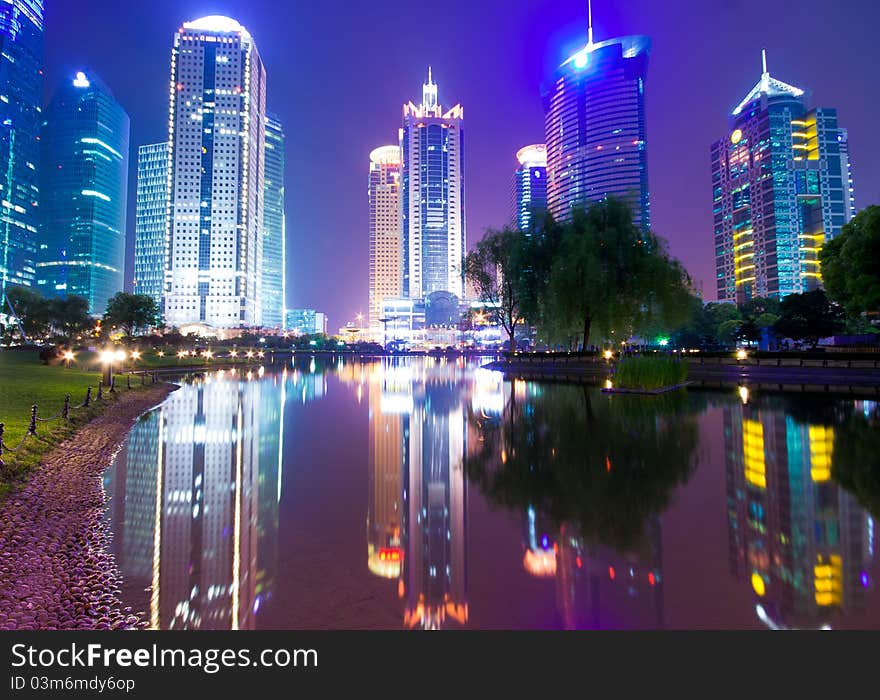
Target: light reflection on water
[(240, 503)]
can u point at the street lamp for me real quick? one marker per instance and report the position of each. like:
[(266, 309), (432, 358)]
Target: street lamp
[(108, 357), (68, 358)]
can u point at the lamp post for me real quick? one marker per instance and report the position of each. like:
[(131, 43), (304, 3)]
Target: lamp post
[(108, 357), (68, 358)]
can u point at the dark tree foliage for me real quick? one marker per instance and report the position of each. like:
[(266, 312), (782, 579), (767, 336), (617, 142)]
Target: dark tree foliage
[(851, 264), (809, 317), (132, 313)]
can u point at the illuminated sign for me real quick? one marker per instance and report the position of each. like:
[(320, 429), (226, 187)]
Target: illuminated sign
[(736, 137)]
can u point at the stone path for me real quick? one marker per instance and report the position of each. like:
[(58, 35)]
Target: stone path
[(56, 570)]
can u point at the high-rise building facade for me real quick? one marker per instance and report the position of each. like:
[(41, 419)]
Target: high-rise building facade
[(432, 193), (781, 187), (214, 251), (529, 186), (386, 245), (21, 88), (594, 120), (151, 220), (274, 243), (84, 193)]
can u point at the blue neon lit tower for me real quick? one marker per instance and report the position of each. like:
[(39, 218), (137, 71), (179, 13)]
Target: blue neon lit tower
[(594, 119), (84, 186), (21, 88)]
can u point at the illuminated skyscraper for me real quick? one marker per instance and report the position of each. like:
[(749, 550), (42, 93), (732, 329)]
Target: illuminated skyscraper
[(21, 85), (386, 246), (781, 187), (84, 193), (595, 127), (433, 192), (274, 243), (217, 131), (151, 220), (529, 186)]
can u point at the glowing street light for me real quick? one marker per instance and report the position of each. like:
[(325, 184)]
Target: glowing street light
[(608, 354), (108, 357), (68, 358), (161, 353), (741, 354), (233, 353), (182, 353), (261, 354), (208, 354), (249, 354), (135, 355), (744, 394)]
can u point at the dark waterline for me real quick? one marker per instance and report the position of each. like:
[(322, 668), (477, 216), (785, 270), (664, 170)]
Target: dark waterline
[(428, 493)]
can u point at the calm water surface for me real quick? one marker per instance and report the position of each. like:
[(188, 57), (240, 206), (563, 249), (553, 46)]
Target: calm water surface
[(432, 493)]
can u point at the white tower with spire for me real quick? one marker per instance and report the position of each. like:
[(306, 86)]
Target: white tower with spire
[(432, 196)]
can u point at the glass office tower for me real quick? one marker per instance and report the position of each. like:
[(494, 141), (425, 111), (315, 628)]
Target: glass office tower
[(84, 193), (21, 95), (217, 127), (274, 244), (594, 119), (529, 186), (432, 191), (781, 187), (151, 220)]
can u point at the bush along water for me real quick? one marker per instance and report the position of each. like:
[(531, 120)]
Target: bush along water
[(650, 373)]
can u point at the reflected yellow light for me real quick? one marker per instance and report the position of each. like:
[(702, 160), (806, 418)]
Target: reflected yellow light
[(753, 454), (608, 354), (609, 384), (744, 394), (821, 448), (758, 584)]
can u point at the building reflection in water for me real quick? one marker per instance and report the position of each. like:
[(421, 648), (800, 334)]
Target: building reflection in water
[(197, 497), (800, 541), (416, 522)]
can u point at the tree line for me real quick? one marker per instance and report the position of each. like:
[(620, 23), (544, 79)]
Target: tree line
[(66, 319), (597, 279)]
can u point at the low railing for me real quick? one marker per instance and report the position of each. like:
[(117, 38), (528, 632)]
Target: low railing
[(64, 415)]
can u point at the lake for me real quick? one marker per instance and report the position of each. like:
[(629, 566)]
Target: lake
[(425, 493)]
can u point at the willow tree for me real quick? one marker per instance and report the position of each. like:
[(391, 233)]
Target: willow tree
[(611, 278), (494, 269)]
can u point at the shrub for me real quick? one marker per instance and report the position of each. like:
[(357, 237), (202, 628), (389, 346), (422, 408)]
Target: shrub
[(650, 373)]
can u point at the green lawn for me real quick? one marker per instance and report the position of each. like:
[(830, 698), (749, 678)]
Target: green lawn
[(25, 381)]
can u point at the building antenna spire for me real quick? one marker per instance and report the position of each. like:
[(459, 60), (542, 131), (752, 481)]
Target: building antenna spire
[(590, 28), (430, 82), (764, 60)]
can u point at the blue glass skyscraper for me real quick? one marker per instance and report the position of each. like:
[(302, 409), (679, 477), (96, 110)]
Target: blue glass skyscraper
[(781, 187), (432, 197), (84, 185), (595, 128), (529, 186), (274, 248), (21, 88), (151, 220)]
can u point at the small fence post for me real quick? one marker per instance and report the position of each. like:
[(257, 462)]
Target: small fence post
[(32, 428), (65, 412), (143, 378), (88, 397), (2, 427), (113, 384), (128, 380), (100, 389)]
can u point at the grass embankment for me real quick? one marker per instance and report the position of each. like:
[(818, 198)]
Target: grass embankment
[(650, 373), (25, 381)]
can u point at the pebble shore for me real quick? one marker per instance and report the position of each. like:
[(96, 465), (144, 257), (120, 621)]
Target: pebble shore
[(56, 569)]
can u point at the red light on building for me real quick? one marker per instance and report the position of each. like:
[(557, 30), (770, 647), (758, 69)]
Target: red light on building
[(651, 578), (611, 573), (580, 562), (389, 554)]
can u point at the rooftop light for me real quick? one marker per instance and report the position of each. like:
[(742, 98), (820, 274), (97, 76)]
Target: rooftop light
[(215, 23)]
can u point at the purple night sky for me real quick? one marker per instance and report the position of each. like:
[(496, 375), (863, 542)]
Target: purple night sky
[(339, 73)]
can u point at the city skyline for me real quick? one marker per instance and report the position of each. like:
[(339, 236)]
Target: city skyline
[(553, 31)]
